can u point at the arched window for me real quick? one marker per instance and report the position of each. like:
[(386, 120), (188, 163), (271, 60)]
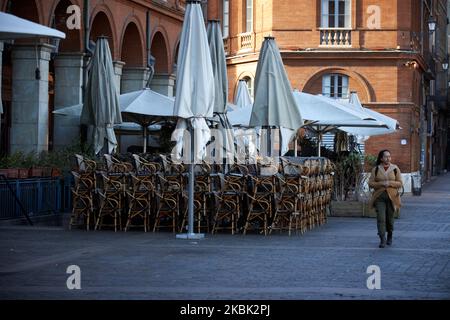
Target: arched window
[(249, 82), (226, 18), (335, 86)]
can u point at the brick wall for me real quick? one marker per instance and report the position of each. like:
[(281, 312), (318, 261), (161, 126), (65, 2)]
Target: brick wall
[(375, 68), (405, 156)]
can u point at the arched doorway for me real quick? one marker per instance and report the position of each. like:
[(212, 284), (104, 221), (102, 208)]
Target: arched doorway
[(159, 51), (175, 58), (249, 81), (338, 83), (72, 42), (135, 72), (132, 48), (163, 81), (174, 69), (26, 9), (101, 27)]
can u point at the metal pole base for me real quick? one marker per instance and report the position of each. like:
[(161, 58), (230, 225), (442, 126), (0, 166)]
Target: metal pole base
[(191, 236)]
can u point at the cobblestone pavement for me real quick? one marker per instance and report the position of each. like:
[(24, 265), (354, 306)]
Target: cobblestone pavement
[(329, 262)]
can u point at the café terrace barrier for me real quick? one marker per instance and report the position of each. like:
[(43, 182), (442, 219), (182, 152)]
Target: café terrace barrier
[(287, 194)]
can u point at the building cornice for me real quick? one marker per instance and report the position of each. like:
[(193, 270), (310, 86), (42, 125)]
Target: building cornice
[(384, 104), (354, 54), (335, 54), (161, 8), (392, 105), (242, 58)]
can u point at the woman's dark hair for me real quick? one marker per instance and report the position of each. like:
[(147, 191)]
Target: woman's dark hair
[(380, 155)]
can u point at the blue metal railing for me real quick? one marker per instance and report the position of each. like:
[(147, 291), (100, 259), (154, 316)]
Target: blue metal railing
[(16, 199), (68, 183), (37, 196)]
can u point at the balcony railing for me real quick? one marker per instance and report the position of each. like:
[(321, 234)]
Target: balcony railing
[(246, 41), (335, 37)]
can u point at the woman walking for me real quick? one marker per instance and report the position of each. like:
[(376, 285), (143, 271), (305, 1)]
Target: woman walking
[(385, 179)]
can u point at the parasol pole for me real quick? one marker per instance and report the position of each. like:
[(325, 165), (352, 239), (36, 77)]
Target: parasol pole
[(295, 144), (190, 232), (191, 184), (319, 142), (144, 129)]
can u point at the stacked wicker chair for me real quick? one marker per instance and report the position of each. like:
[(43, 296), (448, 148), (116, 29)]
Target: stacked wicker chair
[(82, 199), (139, 200), (292, 196), (228, 200), (112, 192), (83, 193), (202, 193), (170, 196), (111, 199), (288, 213), (262, 198)]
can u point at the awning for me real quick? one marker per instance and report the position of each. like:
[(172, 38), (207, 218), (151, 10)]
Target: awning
[(13, 27)]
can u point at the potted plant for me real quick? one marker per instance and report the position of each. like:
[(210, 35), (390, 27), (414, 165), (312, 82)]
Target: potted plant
[(24, 165), (56, 172), (15, 165), (24, 173), (4, 167), (53, 163), (10, 166)]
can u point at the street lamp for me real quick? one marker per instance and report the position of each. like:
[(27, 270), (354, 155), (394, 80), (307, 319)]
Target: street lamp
[(432, 24), (445, 63)]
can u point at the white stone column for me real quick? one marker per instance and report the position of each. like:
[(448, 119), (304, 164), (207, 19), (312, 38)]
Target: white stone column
[(164, 84), (29, 128), (134, 79), (68, 92), (118, 66)]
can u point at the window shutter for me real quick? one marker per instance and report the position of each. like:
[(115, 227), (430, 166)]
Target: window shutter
[(326, 85), (324, 20), (348, 14), (345, 93)]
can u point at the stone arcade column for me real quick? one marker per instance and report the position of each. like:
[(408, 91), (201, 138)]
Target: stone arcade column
[(68, 92), (118, 67), (134, 78), (29, 128), (164, 84)]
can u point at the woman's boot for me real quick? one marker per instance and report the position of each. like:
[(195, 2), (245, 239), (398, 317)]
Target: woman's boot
[(382, 241), (389, 239)]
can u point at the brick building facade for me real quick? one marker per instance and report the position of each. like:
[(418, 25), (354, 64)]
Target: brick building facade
[(382, 49), (28, 123)]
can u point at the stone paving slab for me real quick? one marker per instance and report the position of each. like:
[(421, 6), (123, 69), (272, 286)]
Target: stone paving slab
[(329, 262)]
